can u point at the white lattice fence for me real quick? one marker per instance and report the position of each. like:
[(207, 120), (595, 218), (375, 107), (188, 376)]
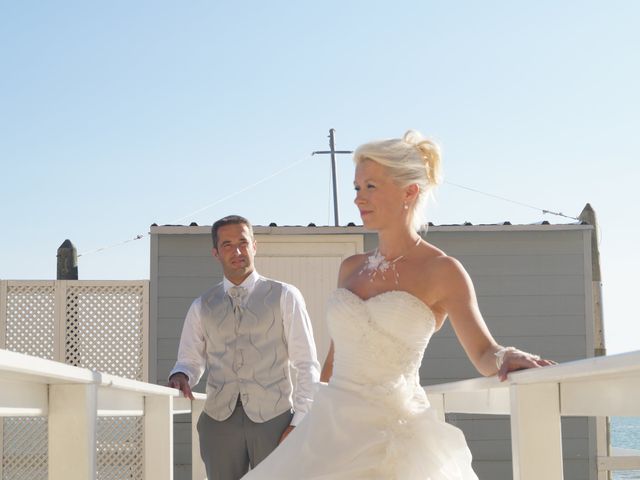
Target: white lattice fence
[(100, 325)]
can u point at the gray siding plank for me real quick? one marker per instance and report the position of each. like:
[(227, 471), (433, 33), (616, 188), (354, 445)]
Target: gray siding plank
[(184, 245), (525, 325), (189, 287), (493, 470), (478, 265), (541, 305), (519, 243), (570, 345), (174, 307), (187, 266), (501, 285), (170, 328)]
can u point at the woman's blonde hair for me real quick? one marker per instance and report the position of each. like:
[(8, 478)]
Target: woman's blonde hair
[(411, 159)]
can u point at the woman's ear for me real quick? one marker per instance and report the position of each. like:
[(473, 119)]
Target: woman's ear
[(411, 192)]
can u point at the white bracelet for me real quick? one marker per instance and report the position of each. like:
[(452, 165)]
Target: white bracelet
[(501, 353)]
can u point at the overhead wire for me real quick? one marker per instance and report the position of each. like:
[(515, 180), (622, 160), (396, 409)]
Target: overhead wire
[(545, 211), (206, 207), (290, 166)]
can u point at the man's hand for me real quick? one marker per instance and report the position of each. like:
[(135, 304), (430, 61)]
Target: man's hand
[(286, 432), (180, 381)]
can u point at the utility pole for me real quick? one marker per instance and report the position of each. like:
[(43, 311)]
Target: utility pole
[(333, 152)]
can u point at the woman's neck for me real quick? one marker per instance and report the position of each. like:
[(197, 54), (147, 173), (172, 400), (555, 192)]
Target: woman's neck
[(393, 243)]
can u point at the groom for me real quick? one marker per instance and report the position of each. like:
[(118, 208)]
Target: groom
[(247, 331)]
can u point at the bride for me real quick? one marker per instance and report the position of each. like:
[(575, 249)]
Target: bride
[(373, 420)]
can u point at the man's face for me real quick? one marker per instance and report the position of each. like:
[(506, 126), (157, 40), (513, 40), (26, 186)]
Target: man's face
[(235, 251)]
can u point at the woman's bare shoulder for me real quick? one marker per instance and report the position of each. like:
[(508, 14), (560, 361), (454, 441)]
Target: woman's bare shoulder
[(439, 264), (349, 266)]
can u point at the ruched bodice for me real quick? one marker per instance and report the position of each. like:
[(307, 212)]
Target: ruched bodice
[(378, 340), (373, 421)]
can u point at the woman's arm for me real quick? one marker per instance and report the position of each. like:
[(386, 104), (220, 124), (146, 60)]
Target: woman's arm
[(327, 368), (458, 299)]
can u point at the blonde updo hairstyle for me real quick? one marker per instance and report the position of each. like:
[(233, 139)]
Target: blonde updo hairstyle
[(409, 160)]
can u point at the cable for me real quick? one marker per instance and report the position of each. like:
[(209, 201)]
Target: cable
[(559, 214), (220, 200), (240, 191), (137, 237), (290, 166)]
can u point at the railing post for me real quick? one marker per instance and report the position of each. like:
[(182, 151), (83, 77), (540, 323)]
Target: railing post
[(437, 404), (198, 471), (3, 344), (536, 434), (3, 314), (158, 437), (72, 431)]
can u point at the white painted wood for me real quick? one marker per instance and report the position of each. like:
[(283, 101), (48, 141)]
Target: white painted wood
[(326, 230), (23, 399), (602, 445), (59, 324), (311, 263), (158, 438), (181, 404), (589, 368), (72, 432), (74, 398), (198, 471), (494, 401), (153, 308), (3, 315), (115, 402), (618, 396), (437, 403), (536, 437), (3, 343), (145, 333), (1, 447), (14, 366), (619, 463)]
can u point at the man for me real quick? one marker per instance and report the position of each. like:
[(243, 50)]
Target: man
[(247, 330)]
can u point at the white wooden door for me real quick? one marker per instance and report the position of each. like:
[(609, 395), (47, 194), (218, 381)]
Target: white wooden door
[(311, 263)]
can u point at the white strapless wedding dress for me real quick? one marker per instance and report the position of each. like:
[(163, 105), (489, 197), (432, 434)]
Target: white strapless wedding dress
[(373, 420)]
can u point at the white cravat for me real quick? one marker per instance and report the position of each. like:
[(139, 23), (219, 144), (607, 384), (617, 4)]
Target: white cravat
[(237, 295)]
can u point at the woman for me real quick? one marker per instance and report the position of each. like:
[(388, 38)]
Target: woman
[(373, 420)]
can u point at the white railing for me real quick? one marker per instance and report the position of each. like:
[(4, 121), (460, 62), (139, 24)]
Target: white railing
[(536, 399), (72, 398)]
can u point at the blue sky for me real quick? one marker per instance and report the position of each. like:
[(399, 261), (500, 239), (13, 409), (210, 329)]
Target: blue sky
[(116, 115)]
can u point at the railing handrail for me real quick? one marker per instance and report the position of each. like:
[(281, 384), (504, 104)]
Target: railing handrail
[(537, 398), (32, 386), (594, 367), (26, 368)]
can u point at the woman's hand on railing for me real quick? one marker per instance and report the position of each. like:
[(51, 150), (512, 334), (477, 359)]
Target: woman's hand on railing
[(510, 359), (180, 381)]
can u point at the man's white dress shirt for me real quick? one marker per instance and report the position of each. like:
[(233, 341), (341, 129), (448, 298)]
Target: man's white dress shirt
[(299, 337)]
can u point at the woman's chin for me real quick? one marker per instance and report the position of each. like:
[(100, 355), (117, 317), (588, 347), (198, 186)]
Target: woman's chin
[(369, 224)]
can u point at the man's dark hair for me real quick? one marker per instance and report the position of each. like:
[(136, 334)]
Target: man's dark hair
[(228, 220)]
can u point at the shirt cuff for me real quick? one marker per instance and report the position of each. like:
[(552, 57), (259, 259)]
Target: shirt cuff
[(181, 368), (297, 418)]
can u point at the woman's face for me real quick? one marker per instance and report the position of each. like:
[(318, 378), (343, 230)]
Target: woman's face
[(379, 199)]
